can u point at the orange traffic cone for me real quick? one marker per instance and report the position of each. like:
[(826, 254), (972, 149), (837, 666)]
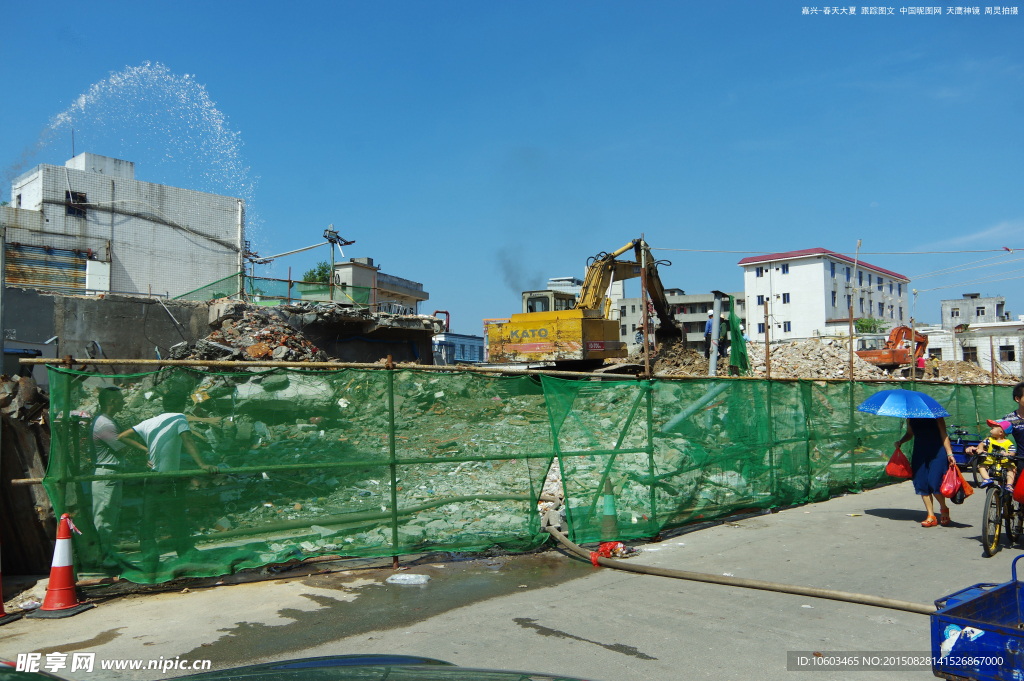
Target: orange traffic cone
[(4, 617), (61, 600)]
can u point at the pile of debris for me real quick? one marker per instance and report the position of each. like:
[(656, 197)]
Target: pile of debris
[(966, 372), (21, 398), (246, 334), (811, 359)]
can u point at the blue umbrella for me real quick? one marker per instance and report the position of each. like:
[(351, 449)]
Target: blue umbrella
[(905, 404)]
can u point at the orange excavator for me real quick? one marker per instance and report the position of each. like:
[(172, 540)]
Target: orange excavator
[(890, 353)]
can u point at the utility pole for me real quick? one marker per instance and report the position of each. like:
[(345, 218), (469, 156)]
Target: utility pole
[(334, 239), (852, 288), (716, 324), (913, 336), (643, 302), (767, 353)]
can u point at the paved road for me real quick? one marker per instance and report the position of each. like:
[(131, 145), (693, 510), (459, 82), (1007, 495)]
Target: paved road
[(573, 619)]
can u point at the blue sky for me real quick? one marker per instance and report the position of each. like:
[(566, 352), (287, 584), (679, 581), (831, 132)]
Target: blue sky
[(482, 147)]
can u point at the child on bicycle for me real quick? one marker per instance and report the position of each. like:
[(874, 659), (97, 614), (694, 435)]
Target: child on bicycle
[(996, 448)]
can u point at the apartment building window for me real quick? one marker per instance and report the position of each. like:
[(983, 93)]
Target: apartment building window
[(633, 327), (785, 268), (832, 267), (869, 280), (785, 298), (892, 312), (849, 302), (862, 306), (1007, 353), (834, 299), (622, 311), (901, 313), (935, 353), (881, 309), (760, 327), (787, 326), (979, 312), (860, 278), (899, 290), (759, 272), (760, 300), (955, 312), (71, 199), (890, 287), (17, 201), (970, 354), (622, 330), (634, 308), (880, 283), (847, 275)]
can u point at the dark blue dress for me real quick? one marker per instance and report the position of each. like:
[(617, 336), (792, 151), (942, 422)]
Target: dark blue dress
[(928, 462)]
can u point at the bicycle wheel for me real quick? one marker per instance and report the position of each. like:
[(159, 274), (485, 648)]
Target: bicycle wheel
[(991, 521), (1014, 520), (974, 471)]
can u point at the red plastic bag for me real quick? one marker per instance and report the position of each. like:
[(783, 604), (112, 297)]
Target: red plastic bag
[(898, 466), (950, 482)]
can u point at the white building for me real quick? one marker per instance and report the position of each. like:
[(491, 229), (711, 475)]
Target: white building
[(809, 293), (89, 227), (362, 283), (980, 343), (691, 311)]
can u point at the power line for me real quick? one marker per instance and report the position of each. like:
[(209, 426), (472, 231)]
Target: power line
[(709, 250), (964, 268)]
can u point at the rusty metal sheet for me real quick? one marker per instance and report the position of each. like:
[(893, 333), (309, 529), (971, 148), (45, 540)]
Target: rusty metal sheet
[(42, 267)]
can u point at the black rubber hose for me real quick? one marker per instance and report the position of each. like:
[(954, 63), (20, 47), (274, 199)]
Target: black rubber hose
[(813, 592)]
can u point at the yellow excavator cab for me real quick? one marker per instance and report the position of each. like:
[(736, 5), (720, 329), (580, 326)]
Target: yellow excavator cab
[(547, 301)]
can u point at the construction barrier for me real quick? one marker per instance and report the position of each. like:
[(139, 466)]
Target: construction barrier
[(385, 462)]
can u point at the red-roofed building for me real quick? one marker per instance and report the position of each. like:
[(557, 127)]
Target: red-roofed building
[(809, 293)]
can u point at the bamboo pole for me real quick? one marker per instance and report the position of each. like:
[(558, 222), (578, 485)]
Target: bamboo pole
[(767, 353), (69, 362)]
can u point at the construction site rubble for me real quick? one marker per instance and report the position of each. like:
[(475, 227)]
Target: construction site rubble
[(22, 398), (245, 332), (810, 359)]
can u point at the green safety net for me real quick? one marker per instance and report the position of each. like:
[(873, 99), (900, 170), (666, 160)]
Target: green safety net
[(266, 291), (387, 462)]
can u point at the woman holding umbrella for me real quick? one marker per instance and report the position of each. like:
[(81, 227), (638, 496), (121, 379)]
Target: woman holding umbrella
[(928, 465), (927, 428)]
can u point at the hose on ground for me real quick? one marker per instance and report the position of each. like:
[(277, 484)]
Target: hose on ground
[(813, 592)]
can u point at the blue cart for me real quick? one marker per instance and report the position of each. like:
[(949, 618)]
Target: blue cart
[(959, 440), (978, 633)]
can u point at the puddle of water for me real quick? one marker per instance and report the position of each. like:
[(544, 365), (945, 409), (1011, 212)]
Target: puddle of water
[(386, 606)]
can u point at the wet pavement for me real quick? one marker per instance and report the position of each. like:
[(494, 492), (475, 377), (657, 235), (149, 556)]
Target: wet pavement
[(572, 618), (452, 585)]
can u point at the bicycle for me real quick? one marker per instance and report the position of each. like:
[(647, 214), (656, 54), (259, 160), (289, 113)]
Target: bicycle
[(1000, 509)]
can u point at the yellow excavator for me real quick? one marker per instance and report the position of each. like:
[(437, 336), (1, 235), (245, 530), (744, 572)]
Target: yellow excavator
[(578, 333)]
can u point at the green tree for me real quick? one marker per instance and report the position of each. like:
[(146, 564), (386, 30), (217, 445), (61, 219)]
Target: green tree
[(868, 325), (321, 272)]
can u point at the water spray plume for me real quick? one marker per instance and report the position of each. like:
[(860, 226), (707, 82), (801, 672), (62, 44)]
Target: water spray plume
[(166, 123)]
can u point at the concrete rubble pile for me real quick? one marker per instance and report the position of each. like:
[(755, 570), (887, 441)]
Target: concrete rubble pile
[(824, 358), (22, 398), (967, 372), (812, 359), (245, 334)]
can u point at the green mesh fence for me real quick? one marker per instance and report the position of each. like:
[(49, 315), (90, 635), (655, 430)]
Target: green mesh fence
[(263, 290), (388, 462), (222, 288)]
